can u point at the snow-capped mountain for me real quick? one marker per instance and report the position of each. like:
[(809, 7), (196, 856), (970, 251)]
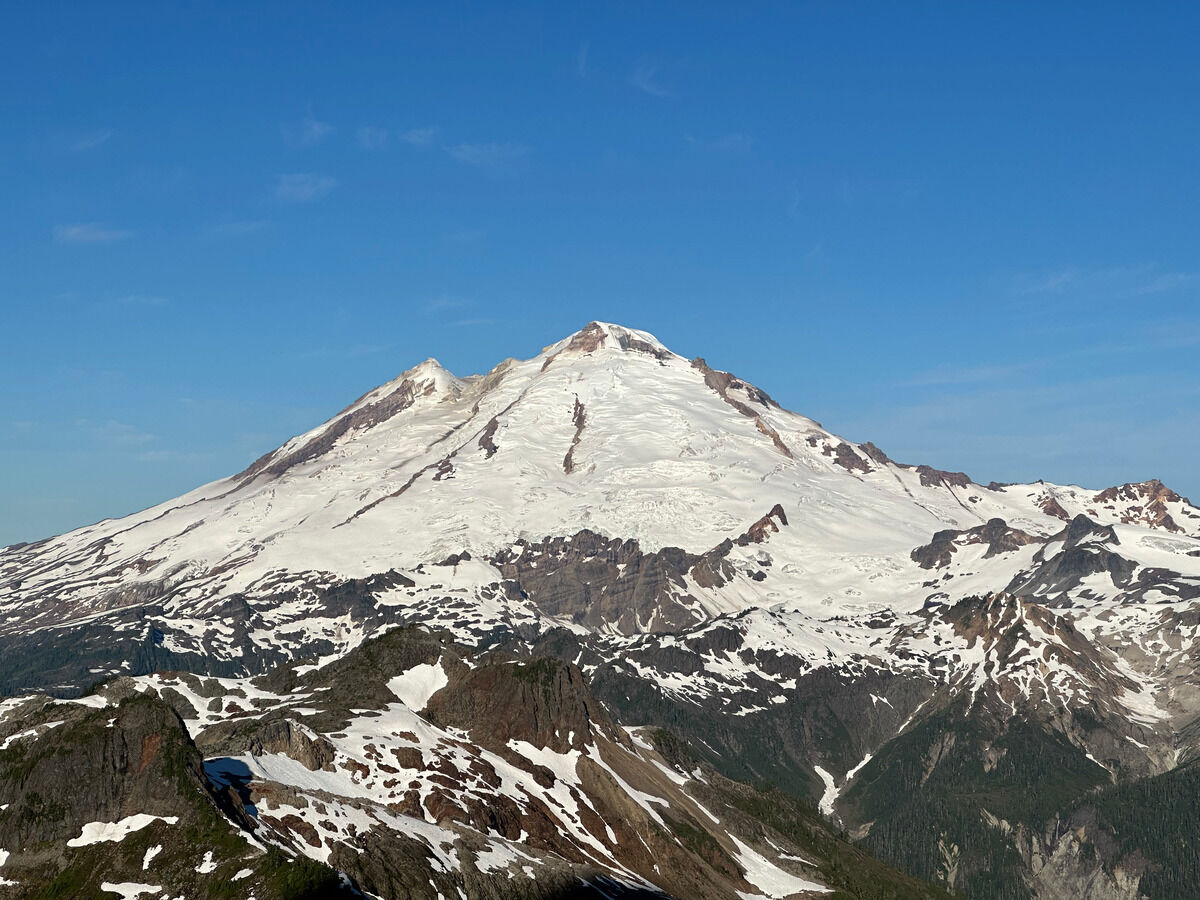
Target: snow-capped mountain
[(799, 607)]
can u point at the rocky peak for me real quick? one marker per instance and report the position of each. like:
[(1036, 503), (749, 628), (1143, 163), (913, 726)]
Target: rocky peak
[(1152, 490), (1147, 503), (596, 336), (1081, 529), (424, 383)]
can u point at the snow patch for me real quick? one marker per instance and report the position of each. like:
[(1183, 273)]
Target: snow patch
[(129, 890), (773, 881), (418, 684), (97, 832), (151, 852), (831, 791)]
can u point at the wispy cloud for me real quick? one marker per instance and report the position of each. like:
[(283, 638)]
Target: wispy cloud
[(93, 139), (795, 197), (303, 187), (89, 233), (1168, 281), (1146, 339), (142, 300), (371, 137), (116, 434), (581, 59), (308, 132), (644, 77), (134, 302), (735, 142), (1054, 283), (173, 456), (368, 349), (417, 137), (956, 375), (489, 156), (456, 312), (237, 228), (1101, 282), (442, 304)]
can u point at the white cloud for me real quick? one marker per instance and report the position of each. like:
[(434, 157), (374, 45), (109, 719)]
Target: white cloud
[(1053, 283), (371, 137), (141, 300), (116, 434), (89, 233), (308, 132), (236, 228), (1106, 282), (956, 375), (417, 137), (440, 304), (1168, 281), (489, 156), (644, 77), (93, 140), (581, 60), (302, 187)]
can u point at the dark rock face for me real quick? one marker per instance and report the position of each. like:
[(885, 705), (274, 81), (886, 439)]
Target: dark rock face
[(133, 762), (1086, 550), (876, 455), (544, 702), (724, 382), (931, 477), (995, 533), (487, 440), (596, 580), (1081, 528), (579, 418), (1052, 507), (764, 527), (269, 736), (589, 339), (844, 456), (725, 385), (144, 763)]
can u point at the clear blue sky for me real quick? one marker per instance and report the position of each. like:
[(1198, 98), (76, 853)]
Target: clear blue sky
[(967, 232)]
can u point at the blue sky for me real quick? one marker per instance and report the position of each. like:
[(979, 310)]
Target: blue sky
[(967, 232)]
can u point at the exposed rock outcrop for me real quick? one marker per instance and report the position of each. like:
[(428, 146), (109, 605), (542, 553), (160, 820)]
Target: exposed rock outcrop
[(995, 533)]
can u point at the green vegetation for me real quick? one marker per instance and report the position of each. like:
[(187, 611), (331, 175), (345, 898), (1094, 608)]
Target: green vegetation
[(542, 671), (847, 869), (284, 878), (1157, 819), (926, 795)]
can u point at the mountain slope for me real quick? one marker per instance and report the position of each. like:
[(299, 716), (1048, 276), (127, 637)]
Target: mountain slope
[(410, 766)]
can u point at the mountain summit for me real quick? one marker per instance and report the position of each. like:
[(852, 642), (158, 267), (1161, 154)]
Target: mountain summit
[(606, 430)]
